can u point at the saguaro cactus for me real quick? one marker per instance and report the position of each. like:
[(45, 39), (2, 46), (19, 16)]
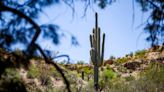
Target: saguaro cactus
[(97, 51)]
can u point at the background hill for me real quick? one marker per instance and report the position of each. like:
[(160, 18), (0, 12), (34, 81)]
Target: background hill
[(141, 71)]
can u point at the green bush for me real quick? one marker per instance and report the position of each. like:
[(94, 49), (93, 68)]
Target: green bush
[(108, 74), (140, 53), (129, 78), (150, 80), (106, 77), (45, 80), (122, 69), (122, 60), (33, 72), (80, 62), (53, 72), (87, 70), (11, 82)]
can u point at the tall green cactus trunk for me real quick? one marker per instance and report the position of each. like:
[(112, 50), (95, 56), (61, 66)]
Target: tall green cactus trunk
[(96, 77), (97, 51)]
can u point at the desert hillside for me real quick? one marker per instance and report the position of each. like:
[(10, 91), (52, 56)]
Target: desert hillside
[(142, 71)]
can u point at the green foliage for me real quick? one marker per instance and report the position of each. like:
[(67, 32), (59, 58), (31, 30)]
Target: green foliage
[(63, 62), (151, 80), (131, 54), (11, 73), (45, 80), (108, 74), (53, 72), (106, 77), (140, 53), (72, 78), (33, 72), (87, 70), (80, 62), (112, 57), (122, 69), (18, 52), (32, 87), (129, 78), (154, 24), (11, 82), (122, 60)]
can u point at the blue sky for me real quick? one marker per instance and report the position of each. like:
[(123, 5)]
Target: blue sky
[(122, 35)]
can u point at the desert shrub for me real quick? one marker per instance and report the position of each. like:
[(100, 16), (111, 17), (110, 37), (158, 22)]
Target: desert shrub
[(18, 52), (90, 86), (44, 75), (108, 74), (120, 86), (32, 87), (105, 78), (80, 62), (131, 54), (11, 82), (140, 53), (151, 80), (122, 60), (33, 72), (112, 57), (45, 79), (63, 62), (72, 78), (87, 72), (53, 72), (129, 78), (122, 69)]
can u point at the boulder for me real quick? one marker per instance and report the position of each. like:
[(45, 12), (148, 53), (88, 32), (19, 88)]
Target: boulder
[(132, 65)]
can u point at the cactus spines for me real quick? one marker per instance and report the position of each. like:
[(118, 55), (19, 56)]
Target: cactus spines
[(97, 50)]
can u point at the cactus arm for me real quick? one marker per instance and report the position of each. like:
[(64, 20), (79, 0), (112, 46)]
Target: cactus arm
[(98, 47), (91, 42), (102, 53), (93, 55), (96, 20)]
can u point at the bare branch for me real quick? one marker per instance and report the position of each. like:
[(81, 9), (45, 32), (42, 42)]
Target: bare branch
[(49, 61), (32, 44), (22, 15)]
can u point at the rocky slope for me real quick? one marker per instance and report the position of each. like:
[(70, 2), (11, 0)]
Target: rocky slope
[(37, 76)]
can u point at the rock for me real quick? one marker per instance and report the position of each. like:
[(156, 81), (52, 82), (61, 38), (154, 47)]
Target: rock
[(108, 62), (132, 65), (153, 55)]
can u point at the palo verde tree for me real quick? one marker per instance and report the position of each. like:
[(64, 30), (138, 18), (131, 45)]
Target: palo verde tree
[(154, 25), (16, 29)]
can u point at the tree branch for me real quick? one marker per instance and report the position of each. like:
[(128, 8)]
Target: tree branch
[(153, 4), (22, 15), (48, 61), (4, 8)]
